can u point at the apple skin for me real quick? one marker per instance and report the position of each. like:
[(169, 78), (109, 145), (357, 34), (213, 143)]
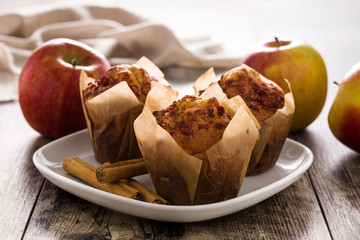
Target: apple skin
[(49, 92), (344, 115), (302, 66)]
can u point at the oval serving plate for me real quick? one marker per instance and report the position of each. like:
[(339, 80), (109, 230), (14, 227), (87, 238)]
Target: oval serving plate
[(294, 160)]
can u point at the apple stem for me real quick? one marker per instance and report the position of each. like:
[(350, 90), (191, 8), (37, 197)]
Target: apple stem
[(336, 83), (277, 41), (73, 62)]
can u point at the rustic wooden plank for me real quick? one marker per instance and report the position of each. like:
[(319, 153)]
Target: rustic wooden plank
[(336, 180), (20, 181), (292, 214), (60, 215)]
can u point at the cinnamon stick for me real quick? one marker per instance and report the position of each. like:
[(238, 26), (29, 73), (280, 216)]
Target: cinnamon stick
[(149, 195), (108, 173), (86, 172)]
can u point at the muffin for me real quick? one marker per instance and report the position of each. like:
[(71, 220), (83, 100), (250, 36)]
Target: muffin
[(272, 106), (112, 103), (262, 96), (197, 149), (135, 76)]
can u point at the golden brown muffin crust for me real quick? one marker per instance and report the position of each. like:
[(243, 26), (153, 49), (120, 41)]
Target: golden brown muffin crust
[(262, 96), (137, 78), (195, 123)]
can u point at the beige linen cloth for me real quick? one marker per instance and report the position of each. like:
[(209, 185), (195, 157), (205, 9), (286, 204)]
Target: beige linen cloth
[(122, 36)]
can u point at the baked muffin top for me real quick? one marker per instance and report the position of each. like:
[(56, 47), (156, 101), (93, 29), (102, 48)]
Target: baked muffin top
[(137, 78), (262, 96), (195, 123)]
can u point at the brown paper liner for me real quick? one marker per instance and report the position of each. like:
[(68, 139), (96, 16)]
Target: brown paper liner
[(273, 131), (211, 176), (110, 117)]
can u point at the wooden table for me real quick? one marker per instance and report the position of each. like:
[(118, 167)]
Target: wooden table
[(323, 204)]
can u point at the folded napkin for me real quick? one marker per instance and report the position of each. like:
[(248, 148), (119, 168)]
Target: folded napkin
[(122, 36)]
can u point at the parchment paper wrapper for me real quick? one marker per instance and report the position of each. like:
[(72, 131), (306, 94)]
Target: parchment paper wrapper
[(273, 132), (110, 117), (211, 176)]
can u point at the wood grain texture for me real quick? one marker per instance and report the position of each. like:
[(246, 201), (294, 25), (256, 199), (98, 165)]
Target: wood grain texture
[(60, 215), (20, 180), (335, 177), (292, 214)]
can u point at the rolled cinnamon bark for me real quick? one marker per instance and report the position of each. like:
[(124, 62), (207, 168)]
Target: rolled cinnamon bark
[(149, 195), (86, 172), (124, 169)]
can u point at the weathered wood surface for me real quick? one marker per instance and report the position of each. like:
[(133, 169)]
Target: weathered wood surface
[(293, 213), (322, 204), (20, 182)]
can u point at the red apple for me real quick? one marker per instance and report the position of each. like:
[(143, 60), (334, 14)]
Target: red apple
[(49, 93), (302, 66), (344, 115)]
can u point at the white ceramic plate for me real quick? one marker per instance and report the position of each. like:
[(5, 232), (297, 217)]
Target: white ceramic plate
[(294, 160)]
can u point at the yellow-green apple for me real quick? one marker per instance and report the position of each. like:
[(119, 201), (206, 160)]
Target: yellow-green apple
[(49, 92), (302, 66), (344, 115)]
